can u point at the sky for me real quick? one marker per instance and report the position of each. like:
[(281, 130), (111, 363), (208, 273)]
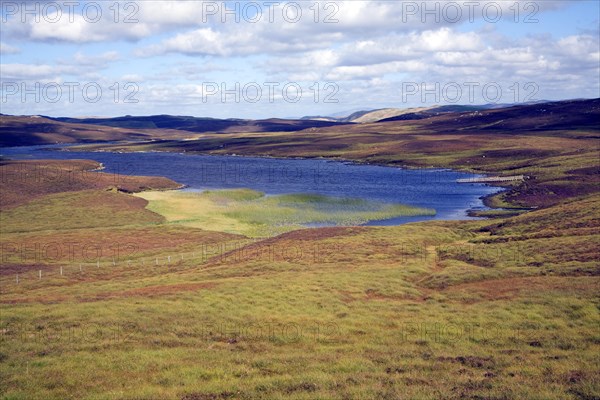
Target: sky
[(288, 59)]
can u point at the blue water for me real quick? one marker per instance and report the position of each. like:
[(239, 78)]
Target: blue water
[(430, 188)]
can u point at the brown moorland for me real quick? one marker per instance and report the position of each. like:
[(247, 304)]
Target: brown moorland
[(500, 308)]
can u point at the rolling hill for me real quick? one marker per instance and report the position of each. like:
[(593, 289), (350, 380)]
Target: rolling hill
[(568, 115), (201, 125)]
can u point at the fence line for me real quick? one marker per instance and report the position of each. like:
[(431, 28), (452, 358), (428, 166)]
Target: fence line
[(63, 270)]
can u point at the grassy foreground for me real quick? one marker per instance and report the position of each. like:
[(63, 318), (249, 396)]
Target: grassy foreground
[(103, 298)]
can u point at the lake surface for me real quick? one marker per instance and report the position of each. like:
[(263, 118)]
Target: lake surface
[(430, 188)]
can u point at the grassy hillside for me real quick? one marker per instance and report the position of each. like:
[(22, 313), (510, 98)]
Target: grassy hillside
[(430, 310), (201, 125), (103, 297), (36, 130), (23, 181)]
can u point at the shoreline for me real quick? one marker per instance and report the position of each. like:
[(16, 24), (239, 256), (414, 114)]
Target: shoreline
[(503, 187)]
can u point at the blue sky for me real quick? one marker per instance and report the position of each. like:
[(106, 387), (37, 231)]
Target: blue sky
[(177, 57)]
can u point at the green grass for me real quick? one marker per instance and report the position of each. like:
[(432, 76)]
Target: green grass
[(367, 319), (253, 214), (506, 308), (73, 210)]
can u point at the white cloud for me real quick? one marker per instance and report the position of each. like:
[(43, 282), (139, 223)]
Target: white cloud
[(131, 78), (234, 40), (369, 72), (7, 49), (72, 32), (329, 20), (371, 47), (445, 39), (97, 60), (584, 48), (30, 71)]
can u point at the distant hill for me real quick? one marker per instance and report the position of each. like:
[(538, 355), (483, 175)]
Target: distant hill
[(404, 114), (423, 113), (342, 116), (360, 116), (559, 116), (383, 114), (33, 130), (201, 125), (562, 115)]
